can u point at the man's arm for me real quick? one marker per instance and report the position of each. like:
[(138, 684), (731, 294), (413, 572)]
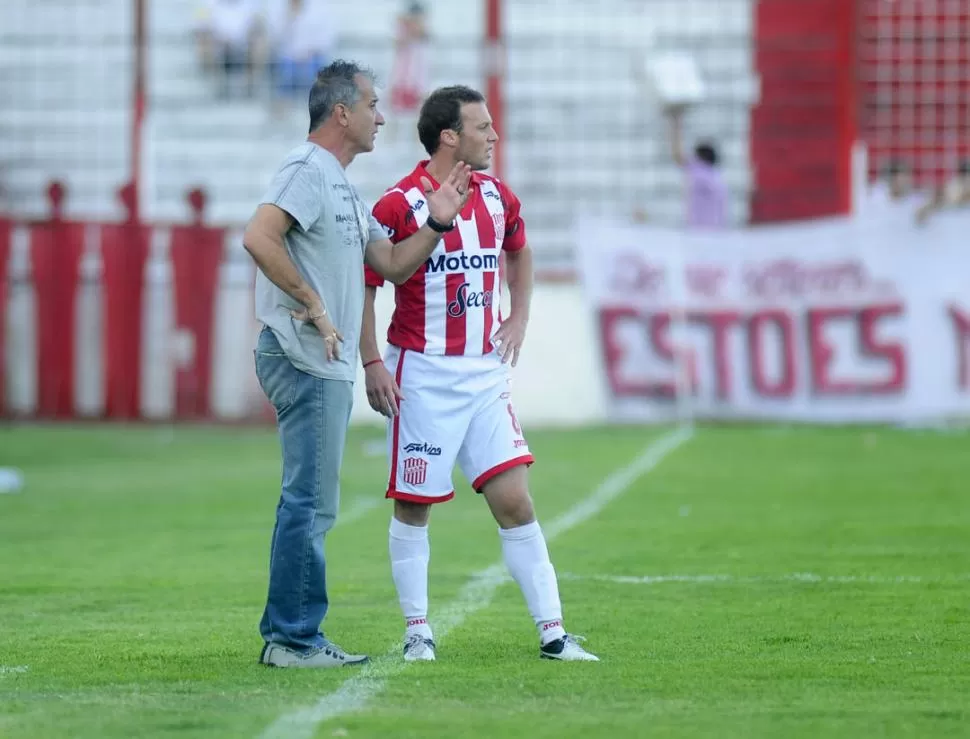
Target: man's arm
[(398, 262), (676, 115), (263, 240)]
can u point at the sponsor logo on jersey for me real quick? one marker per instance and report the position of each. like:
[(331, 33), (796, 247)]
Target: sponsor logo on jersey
[(409, 216), (461, 262), (465, 299)]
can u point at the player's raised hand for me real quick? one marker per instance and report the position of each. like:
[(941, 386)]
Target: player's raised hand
[(508, 339), (383, 393), (446, 202)]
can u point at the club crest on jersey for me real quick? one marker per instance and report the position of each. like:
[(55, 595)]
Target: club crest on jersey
[(498, 221), (465, 299)]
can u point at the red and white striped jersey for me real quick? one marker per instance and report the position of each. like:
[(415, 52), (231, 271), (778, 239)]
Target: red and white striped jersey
[(451, 304)]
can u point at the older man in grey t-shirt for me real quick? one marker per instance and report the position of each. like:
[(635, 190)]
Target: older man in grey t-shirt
[(310, 238)]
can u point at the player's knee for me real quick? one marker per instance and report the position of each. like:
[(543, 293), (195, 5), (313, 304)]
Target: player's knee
[(413, 514), (514, 510)]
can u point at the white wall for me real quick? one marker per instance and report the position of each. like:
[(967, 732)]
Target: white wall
[(559, 378)]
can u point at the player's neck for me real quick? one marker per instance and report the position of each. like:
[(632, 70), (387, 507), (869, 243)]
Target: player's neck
[(440, 166), (334, 142)]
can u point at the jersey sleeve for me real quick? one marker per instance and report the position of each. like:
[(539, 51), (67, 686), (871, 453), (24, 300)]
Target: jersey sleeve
[(514, 225), (389, 212)]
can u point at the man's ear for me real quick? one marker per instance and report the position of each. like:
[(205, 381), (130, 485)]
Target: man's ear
[(342, 114), (449, 137)]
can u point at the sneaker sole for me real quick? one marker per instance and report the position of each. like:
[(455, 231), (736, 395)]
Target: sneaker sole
[(262, 655)]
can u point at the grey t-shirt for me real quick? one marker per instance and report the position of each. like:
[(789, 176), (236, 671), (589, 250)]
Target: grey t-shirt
[(326, 243)]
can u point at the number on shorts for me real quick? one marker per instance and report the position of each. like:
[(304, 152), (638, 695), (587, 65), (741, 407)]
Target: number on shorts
[(515, 421)]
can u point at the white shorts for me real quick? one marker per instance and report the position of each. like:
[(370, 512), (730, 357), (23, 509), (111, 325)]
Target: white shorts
[(455, 409)]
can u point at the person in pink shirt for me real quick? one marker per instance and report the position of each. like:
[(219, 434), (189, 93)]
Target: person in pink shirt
[(707, 194)]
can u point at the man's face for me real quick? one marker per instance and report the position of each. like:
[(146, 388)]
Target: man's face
[(364, 117), (477, 137)]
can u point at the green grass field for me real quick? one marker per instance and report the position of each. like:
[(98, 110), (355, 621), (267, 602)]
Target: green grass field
[(134, 565)]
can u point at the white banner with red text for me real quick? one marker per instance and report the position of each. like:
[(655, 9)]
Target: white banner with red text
[(843, 320)]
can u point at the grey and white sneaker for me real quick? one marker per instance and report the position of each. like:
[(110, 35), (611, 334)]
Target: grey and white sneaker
[(418, 648), (329, 655), (567, 649)]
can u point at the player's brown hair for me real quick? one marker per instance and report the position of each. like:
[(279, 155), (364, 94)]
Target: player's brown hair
[(441, 111)]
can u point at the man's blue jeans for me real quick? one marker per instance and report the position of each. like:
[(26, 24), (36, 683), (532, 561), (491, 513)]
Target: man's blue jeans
[(312, 415)]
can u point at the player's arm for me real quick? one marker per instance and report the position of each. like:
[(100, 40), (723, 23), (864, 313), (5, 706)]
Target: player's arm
[(383, 392), (519, 275), (397, 262)]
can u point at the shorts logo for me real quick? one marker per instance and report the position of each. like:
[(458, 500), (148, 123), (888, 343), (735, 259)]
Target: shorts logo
[(422, 447), (515, 421), (415, 471)]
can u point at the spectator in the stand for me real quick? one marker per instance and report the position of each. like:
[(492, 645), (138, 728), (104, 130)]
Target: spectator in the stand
[(957, 192), (954, 194), (228, 35), (895, 185), (707, 193), (410, 70), (301, 38)]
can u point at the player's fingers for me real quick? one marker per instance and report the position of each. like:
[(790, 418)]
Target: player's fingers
[(426, 186), (397, 392), (340, 336), (515, 356), (454, 176), (391, 404)]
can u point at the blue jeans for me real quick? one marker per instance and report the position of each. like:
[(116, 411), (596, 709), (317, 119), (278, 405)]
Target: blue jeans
[(312, 415)]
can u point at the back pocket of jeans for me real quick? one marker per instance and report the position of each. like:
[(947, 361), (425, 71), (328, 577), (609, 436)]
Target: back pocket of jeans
[(278, 377)]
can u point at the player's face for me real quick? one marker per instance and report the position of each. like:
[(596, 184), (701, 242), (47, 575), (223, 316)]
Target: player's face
[(477, 138), (365, 119)]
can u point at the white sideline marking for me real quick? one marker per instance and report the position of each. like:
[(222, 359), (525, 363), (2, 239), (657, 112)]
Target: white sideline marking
[(360, 508), (477, 593), (806, 577), (13, 669)]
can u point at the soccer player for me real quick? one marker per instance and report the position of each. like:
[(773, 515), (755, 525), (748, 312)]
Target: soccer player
[(444, 381)]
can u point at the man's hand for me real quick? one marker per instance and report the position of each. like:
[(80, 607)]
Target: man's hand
[(383, 393), (445, 203), (508, 339), (332, 338)]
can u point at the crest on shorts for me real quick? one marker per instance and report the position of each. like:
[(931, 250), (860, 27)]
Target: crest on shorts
[(415, 471), (498, 220)]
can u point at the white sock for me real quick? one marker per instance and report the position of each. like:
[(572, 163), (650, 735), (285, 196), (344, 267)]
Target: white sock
[(410, 552), (527, 558)]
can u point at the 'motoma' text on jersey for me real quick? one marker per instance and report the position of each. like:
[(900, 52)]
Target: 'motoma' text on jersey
[(461, 262)]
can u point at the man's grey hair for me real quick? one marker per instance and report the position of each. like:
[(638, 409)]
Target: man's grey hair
[(336, 84)]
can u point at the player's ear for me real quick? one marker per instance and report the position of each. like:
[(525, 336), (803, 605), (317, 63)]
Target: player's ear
[(449, 137)]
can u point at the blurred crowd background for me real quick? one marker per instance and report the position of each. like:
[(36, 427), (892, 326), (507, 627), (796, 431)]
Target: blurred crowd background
[(705, 114)]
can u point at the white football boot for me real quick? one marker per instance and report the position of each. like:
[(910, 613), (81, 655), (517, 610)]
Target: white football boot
[(567, 649), (418, 648)]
